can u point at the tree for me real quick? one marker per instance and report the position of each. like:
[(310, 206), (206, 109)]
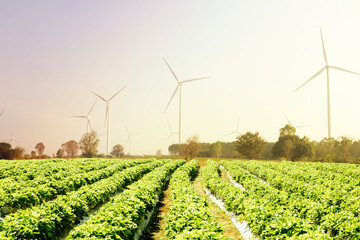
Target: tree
[(33, 154), (355, 149), (18, 152), (158, 153), (174, 149), (250, 145), (40, 147), (191, 148), (215, 149), (5, 150), (287, 130), (89, 144), (342, 147), (60, 153), (117, 151), (292, 147), (324, 150), (71, 148)]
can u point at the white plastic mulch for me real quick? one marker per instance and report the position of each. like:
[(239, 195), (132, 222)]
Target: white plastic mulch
[(242, 226)]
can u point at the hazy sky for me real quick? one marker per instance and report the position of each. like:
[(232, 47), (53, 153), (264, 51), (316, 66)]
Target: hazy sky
[(52, 53)]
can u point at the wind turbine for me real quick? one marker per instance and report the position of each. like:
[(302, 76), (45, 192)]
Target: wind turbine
[(172, 133), (179, 86), (296, 127), (12, 140), (236, 131), (129, 139), (327, 67), (107, 115), (87, 117)]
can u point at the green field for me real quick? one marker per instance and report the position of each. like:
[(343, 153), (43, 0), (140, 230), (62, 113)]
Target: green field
[(159, 199)]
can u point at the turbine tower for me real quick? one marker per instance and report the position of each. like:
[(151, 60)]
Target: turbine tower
[(87, 117), (236, 131), (179, 86), (107, 115), (172, 133), (327, 67), (129, 139)]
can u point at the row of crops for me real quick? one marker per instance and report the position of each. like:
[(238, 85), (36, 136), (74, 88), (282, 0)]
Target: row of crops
[(291, 200), (114, 199), (100, 199)]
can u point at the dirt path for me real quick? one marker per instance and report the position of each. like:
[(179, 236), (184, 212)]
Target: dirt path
[(230, 231), (156, 228)]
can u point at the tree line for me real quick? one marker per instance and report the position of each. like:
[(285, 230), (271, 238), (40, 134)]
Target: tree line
[(88, 146), (289, 146)]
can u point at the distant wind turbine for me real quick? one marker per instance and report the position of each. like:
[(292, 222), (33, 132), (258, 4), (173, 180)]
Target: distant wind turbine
[(179, 86), (236, 131), (12, 140), (87, 118), (128, 140), (296, 127), (327, 67), (107, 115), (172, 133)]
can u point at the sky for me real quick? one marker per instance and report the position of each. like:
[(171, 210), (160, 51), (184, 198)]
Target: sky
[(52, 53)]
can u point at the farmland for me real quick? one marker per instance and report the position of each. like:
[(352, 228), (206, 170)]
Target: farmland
[(117, 199)]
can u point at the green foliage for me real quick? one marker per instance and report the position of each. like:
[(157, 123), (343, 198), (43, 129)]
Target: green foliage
[(121, 217), (117, 151), (292, 147), (189, 216), (250, 145), (89, 144), (287, 130), (51, 218)]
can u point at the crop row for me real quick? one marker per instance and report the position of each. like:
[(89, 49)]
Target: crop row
[(306, 173), (122, 217), (269, 214), (338, 222), (189, 216), (30, 196), (49, 219), (53, 168)]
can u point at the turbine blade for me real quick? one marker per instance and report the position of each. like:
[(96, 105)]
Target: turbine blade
[(237, 126), (342, 69), (302, 126), (323, 45), (79, 116), (171, 71), (99, 96), (2, 112), (288, 120), (195, 79), (117, 93), (167, 139), (106, 114), (171, 97), (230, 133), (89, 124), (92, 107), (315, 75), (169, 125), (127, 130)]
